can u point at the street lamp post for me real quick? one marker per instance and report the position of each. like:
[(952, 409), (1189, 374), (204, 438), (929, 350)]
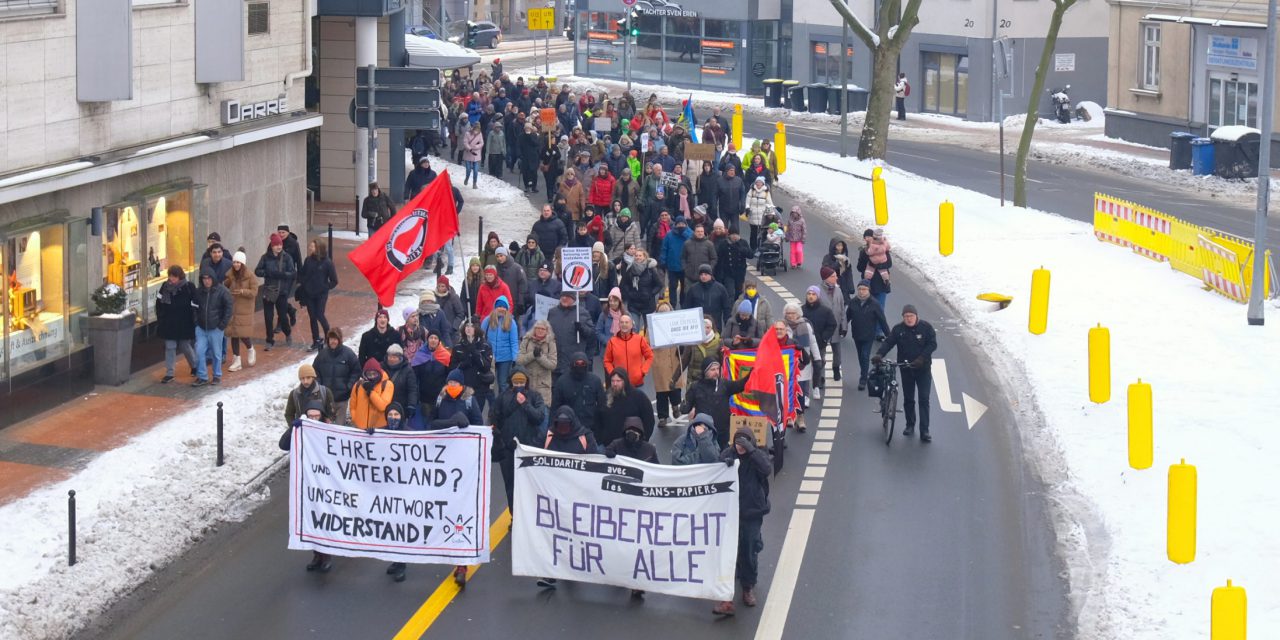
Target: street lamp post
[(1258, 291)]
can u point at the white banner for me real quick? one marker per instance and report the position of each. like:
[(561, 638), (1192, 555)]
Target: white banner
[(401, 496), (542, 304), (675, 328), (575, 273), (626, 523)]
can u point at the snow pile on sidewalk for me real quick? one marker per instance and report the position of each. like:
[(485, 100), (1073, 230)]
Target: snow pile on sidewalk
[(1215, 397), (142, 505)]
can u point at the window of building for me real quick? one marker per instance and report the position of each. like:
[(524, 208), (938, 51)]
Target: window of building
[(44, 302), (1150, 71), (16, 8), (259, 18), (1232, 101), (826, 61), (142, 239), (946, 83)]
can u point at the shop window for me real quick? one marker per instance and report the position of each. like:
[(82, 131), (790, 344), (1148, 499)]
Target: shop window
[(722, 28), (35, 290), (143, 238), (826, 61), (1150, 72), (946, 83)]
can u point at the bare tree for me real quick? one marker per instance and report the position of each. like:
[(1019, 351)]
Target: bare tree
[(894, 27), (1028, 128)]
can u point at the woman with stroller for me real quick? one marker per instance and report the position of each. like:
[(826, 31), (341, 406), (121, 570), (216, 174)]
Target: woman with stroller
[(759, 202)]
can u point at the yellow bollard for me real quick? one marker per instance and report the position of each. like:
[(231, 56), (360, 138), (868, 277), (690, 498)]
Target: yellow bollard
[(875, 173), (1099, 364), (1140, 425), (780, 147), (881, 201), (1181, 539), (1228, 613), (946, 228), (736, 127), (1038, 322)]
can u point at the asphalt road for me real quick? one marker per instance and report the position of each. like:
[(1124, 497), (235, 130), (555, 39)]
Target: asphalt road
[(946, 540)]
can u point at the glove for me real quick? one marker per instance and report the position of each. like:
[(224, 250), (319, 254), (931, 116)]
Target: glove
[(918, 363), (747, 443), (729, 462), (577, 326), (537, 352), (296, 423), (877, 359), (370, 430), (844, 332), (610, 453)]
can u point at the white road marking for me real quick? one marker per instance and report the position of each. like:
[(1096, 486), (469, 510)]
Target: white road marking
[(831, 412), (942, 384), (815, 472), (828, 423), (807, 500), (811, 485), (773, 619), (973, 409), (825, 435), (819, 458), (822, 446)]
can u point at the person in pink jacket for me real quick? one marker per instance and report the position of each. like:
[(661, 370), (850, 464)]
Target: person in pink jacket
[(877, 253), (472, 148), (797, 233)]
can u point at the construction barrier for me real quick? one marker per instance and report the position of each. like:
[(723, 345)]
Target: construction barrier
[(1223, 262)]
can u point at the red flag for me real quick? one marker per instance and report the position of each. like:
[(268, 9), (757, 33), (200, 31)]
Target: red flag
[(768, 365), (418, 230)]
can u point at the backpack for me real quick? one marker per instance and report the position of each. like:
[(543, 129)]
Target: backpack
[(906, 88)]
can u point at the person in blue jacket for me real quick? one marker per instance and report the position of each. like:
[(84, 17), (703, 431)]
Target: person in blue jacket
[(503, 333), (670, 258)]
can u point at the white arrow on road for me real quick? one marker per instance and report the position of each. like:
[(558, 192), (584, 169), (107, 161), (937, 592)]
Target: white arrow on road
[(972, 408)]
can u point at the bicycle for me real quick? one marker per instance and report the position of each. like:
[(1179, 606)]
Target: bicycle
[(889, 397)]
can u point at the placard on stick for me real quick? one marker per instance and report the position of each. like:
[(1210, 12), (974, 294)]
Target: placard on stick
[(759, 425)]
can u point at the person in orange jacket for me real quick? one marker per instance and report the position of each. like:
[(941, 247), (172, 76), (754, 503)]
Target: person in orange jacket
[(370, 397), (629, 350)]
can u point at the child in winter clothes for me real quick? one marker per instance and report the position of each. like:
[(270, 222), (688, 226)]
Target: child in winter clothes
[(797, 233), (877, 255)]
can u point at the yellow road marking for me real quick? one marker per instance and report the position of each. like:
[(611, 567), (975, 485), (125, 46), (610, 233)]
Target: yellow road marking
[(448, 590)]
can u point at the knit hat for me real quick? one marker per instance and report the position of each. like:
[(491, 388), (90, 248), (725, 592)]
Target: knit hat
[(773, 226), (502, 251), (372, 364), (566, 293), (240, 257), (864, 283), (284, 228), (491, 269), (442, 280), (276, 240), (306, 371), (625, 213), (718, 224), (745, 307), (519, 378), (382, 312), (546, 266), (501, 302), (214, 237), (427, 296), (814, 290), (909, 308), (826, 272), (406, 312), (708, 362), (599, 246), (474, 261), (456, 376), (706, 268), (878, 234), (760, 179), (395, 350)]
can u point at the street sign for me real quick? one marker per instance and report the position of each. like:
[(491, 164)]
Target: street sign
[(395, 117), (542, 19), (399, 97), (403, 77)]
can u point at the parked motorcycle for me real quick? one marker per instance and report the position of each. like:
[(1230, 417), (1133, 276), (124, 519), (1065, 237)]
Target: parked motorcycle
[(1061, 104)]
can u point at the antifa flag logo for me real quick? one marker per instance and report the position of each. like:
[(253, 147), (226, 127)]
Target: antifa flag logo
[(404, 245)]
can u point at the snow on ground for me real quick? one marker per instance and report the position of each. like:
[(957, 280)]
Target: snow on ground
[(1215, 405), (142, 505)]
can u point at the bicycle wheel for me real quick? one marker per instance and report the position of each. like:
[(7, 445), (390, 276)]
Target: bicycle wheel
[(888, 409)]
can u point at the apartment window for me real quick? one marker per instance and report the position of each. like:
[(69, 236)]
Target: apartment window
[(1150, 57), (15, 8), (259, 18)]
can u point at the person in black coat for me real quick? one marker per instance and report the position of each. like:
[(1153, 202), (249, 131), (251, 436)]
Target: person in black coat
[(916, 342), (823, 322), (731, 267), (176, 320), (711, 396), (866, 318), (550, 231), (711, 296), (568, 435), (374, 342), (641, 285), (633, 444), (419, 178), (731, 196), (530, 149), (518, 413), (623, 401), (474, 357), (753, 505), (316, 278), (574, 331), (404, 380), (708, 190), (581, 390), (337, 366), (279, 272)]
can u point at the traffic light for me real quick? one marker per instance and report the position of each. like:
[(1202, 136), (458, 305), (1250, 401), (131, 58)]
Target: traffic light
[(633, 21)]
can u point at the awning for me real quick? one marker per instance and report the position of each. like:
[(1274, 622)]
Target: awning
[(437, 54)]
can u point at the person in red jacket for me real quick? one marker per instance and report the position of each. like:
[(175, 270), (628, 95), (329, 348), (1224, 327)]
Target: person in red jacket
[(601, 194), (629, 350), (594, 223), (490, 290)]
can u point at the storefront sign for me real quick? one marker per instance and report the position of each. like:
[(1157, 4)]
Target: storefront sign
[(1233, 52), (233, 111), (400, 496), (1064, 62), (46, 333), (626, 523), (671, 11)]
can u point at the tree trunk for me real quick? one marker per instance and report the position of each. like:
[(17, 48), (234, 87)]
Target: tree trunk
[(1028, 128), (875, 127)]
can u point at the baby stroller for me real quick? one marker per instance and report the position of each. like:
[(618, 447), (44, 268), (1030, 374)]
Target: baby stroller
[(769, 258)]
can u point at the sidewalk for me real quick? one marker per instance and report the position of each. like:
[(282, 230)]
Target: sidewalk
[(53, 445)]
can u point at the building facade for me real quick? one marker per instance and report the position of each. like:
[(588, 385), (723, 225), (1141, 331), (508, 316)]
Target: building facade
[(1184, 68), (131, 130)]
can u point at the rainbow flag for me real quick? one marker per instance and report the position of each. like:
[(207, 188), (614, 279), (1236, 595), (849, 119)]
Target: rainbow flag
[(738, 365)]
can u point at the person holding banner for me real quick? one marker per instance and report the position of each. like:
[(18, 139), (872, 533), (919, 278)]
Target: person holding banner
[(567, 435), (668, 377), (711, 396), (472, 358), (518, 413), (305, 394), (581, 390), (754, 469), (632, 444), (371, 397), (698, 444)]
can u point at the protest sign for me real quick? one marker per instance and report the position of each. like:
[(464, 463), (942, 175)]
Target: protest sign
[(699, 152), (541, 305), (603, 124), (759, 425), (576, 274), (672, 328), (401, 496), (626, 523), (547, 116)]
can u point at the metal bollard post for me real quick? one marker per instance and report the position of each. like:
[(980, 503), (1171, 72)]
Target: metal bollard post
[(480, 239), (220, 457), (357, 215), (71, 527), (331, 238)]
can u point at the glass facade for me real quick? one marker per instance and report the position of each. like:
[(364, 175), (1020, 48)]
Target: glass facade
[(45, 289), (825, 61), (683, 50), (142, 236), (946, 83)]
